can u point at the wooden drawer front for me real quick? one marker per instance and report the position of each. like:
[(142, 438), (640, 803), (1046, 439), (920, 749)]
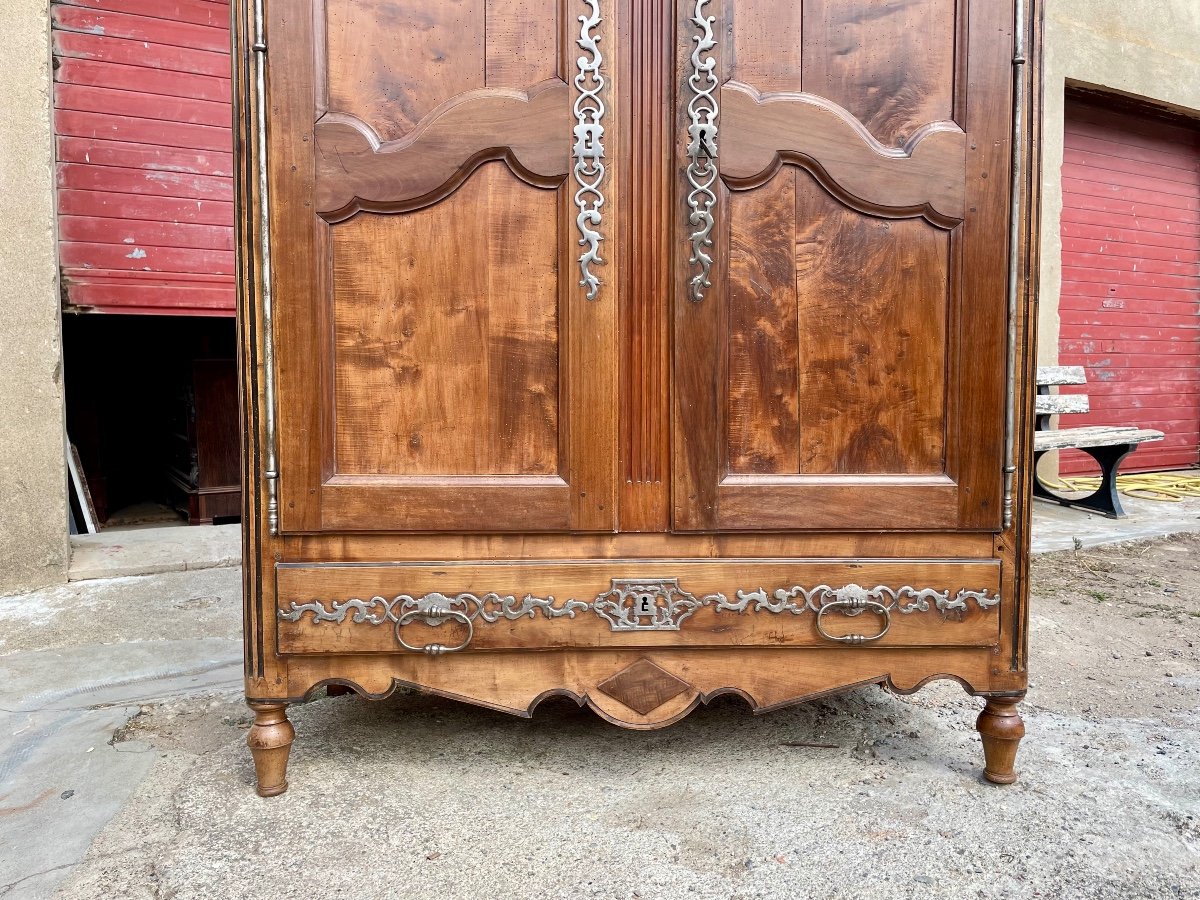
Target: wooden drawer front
[(622, 603)]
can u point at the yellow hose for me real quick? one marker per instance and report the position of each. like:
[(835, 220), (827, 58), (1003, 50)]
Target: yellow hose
[(1166, 486)]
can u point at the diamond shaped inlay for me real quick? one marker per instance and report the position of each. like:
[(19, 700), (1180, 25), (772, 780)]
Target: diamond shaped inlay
[(643, 686)]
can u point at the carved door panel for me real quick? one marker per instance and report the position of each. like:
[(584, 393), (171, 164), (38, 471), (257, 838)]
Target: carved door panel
[(443, 346), (840, 330)]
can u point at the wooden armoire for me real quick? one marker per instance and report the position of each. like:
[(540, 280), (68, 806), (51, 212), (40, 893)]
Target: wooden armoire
[(637, 351)]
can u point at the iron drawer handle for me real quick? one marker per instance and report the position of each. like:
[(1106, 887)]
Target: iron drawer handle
[(443, 614), (854, 607)]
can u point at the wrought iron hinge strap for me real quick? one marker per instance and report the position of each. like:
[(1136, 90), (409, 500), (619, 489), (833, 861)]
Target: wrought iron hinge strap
[(588, 150), (1014, 262), (702, 151), (271, 470)]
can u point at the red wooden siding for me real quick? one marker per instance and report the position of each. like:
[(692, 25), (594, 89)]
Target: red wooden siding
[(1130, 306), (144, 145)]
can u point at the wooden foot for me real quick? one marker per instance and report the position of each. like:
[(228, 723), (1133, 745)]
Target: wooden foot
[(270, 741), (1001, 728)]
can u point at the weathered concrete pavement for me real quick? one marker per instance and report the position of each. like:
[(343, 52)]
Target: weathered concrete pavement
[(866, 795), (78, 662), (1058, 527)]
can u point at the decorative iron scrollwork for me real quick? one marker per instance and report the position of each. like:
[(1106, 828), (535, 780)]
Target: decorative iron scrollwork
[(654, 605), (637, 604), (702, 151), (904, 600), (588, 151), (433, 608)]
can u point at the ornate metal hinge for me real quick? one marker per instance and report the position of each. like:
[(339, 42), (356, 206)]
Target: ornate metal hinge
[(702, 151), (589, 148), (1014, 267), (271, 467)]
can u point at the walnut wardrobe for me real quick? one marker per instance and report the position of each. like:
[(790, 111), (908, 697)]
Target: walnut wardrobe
[(638, 351)]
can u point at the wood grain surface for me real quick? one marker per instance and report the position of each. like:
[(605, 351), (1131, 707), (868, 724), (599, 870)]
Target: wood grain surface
[(647, 68), (763, 131), (766, 678), (355, 171), (444, 368), (890, 65), (763, 392), (873, 297), (392, 62)]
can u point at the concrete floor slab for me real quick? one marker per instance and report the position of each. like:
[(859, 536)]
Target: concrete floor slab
[(62, 776), (79, 661), (866, 794), (1057, 527), (149, 551)]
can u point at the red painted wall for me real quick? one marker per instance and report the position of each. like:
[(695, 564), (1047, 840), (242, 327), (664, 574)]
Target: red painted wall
[(1130, 305), (144, 143)]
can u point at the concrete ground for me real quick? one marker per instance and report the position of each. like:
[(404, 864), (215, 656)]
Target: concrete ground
[(1057, 527), (77, 663), (149, 551), (141, 786)]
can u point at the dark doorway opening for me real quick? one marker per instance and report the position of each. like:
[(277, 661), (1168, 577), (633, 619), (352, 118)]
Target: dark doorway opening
[(152, 408)]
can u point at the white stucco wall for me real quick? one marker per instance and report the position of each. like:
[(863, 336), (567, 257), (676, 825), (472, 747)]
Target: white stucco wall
[(33, 512)]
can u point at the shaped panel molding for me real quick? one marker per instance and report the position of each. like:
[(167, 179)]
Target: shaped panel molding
[(763, 131), (355, 171)]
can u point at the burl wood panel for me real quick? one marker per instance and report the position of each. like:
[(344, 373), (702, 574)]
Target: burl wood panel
[(391, 62), (837, 347), (889, 63), (643, 686), (762, 418), (872, 310), (446, 334)]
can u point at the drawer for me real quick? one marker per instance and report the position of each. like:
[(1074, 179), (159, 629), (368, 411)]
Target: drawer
[(434, 607)]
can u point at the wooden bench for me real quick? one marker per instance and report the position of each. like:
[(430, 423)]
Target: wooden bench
[(1107, 444)]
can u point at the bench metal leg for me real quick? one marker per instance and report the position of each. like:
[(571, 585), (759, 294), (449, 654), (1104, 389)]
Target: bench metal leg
[(1104, 499)]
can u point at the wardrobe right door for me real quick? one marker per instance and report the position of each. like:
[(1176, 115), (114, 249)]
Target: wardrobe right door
[(843, 207)]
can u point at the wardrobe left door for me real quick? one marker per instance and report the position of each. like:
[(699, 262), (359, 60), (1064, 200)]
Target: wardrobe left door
[(441, 317)]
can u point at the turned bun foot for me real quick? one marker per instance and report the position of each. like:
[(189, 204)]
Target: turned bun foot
[(270, 741), (1001, 728)]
